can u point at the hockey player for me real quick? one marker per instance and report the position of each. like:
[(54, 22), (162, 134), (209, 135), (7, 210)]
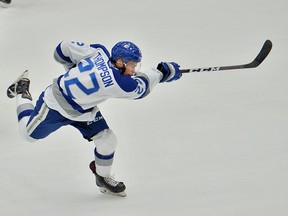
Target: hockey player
[(92, 76)]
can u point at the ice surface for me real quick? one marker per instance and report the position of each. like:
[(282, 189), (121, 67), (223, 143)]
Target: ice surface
[(211, 144)]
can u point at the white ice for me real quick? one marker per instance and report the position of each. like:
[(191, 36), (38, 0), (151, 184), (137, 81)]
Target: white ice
[(211, 144)]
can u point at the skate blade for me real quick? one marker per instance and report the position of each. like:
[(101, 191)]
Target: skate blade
[(23, 75), (105, 191)]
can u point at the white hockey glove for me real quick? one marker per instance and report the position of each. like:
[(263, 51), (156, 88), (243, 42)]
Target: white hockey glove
[(170, 71)]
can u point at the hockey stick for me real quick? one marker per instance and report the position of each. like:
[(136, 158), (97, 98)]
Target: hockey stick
[(255, 63)]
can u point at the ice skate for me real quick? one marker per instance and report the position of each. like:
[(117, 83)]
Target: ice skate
[(108, 185), (20, 86)]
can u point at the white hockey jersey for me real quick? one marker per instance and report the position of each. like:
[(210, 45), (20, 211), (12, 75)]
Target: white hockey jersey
[(91, 79)]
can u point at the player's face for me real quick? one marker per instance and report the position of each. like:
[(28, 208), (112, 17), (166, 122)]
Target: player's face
[(131, 68)]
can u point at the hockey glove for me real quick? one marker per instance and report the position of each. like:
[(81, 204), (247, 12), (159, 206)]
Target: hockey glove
[(170, 71)]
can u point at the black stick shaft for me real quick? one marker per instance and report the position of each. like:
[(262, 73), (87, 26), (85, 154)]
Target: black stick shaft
[(265, 50)]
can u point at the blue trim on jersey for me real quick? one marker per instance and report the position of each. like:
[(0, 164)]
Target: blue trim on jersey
[(96, 46), (74, 105), (24, 113), (60, 53), (126, 83), (103, 157)]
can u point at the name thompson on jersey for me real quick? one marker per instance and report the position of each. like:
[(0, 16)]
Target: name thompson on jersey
[(106, 73)]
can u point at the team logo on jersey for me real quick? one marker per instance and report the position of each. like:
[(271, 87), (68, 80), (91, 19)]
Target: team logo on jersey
[(141, 88)]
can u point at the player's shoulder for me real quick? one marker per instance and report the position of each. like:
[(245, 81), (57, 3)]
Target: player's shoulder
[(100, 46), (126, 83)]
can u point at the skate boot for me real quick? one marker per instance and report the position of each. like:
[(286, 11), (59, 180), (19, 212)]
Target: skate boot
[(108, 185), (20, 86)]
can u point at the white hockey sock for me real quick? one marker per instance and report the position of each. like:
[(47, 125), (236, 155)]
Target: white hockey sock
[(105, 142), (24, 107), (24, 110), (103, 163)]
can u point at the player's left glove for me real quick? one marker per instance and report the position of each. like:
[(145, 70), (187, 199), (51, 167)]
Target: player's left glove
[(170, 71)]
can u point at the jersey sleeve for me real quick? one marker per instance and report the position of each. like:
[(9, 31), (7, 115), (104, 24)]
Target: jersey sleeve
[(138, 86), (152, 77), (70, 53)]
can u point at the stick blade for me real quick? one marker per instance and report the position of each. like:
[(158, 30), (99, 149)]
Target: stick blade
[(262, 54)]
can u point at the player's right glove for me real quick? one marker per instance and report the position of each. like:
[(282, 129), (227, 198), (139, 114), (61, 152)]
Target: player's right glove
[(170, 71)]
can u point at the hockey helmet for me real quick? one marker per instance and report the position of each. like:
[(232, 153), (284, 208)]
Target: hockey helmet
[(127, 50)]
